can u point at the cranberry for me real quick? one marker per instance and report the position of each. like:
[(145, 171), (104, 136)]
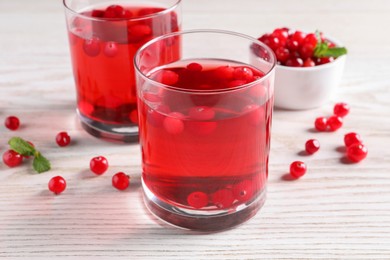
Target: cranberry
[(309, 63), (12, 158), (357, 152), (341, 109), (310, 39), (292, 45), (62, 139), (194, 67), (297, 169), (282, 54), (173, 123), (57, 184), (110, 49), (138, 32), (201, 113), (306, 51), (198, 199), (294, 62), (243, 191), (98, 165), (243, 73), (91, 46), (324, 60), (120, 181), (298, 36), (127, 14), (274, 42), (264, 38), (281, 34), (321, 123), (352, 138), (97, 13), (312, 146), (223, 198), (334, 122), (169, 77), (12, 123), (117, 11), (224, 72), (133, 116)]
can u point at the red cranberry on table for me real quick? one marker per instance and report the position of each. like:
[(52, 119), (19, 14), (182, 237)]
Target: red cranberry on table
[(341, 109), (321, 123), (352, 138), (334, 122), (12, 158), (120, 181), (57, 184), (63, 139), (312, 146), (12, 123), (357, 152), (297, 169), (98, 165)]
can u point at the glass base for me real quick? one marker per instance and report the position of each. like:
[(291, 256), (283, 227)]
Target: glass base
[(200, 220), (126, 133)]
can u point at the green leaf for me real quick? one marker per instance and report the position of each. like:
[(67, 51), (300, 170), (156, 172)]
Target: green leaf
[(322, 49), (332, 52), (21, 146), (40, 163)]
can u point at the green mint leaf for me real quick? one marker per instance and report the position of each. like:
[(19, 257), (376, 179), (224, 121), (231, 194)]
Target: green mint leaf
[(40, 163), (21, 146), (333, 52), (322, 49)]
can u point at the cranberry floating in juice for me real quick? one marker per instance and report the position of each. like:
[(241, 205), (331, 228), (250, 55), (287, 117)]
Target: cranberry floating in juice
[(103, 38), (205, 130)]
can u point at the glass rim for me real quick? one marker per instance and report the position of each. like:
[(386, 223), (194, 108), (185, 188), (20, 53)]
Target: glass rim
[(196, 91), (148, 16)]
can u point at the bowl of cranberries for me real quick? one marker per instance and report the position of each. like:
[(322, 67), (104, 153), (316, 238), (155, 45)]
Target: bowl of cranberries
[(309, 67)]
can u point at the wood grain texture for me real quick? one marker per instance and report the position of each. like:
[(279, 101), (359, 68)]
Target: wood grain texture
[(337, 211)]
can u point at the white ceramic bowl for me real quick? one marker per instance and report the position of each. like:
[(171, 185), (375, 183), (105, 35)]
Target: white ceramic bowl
[(307, 87)]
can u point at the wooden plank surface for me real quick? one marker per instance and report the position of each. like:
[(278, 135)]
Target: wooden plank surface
[(337, 211)]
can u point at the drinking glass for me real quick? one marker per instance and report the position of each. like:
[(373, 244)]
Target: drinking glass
[(205, 121), (103, 38)]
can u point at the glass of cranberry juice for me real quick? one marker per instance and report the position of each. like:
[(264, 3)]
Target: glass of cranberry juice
[(103, 38), (204, 121)]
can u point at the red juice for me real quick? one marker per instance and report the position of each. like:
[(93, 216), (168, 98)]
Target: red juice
[(103, 41), (205, 139)]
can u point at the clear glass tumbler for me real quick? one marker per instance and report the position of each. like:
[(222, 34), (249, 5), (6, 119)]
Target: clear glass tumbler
[(205, 121), (103, 38)]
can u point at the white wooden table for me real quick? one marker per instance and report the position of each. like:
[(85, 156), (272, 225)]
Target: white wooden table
[(336, 210)]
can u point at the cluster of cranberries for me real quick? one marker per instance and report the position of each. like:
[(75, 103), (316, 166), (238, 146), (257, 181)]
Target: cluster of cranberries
[(295, 48), (356, 151), (223, 198), (57, 184)]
